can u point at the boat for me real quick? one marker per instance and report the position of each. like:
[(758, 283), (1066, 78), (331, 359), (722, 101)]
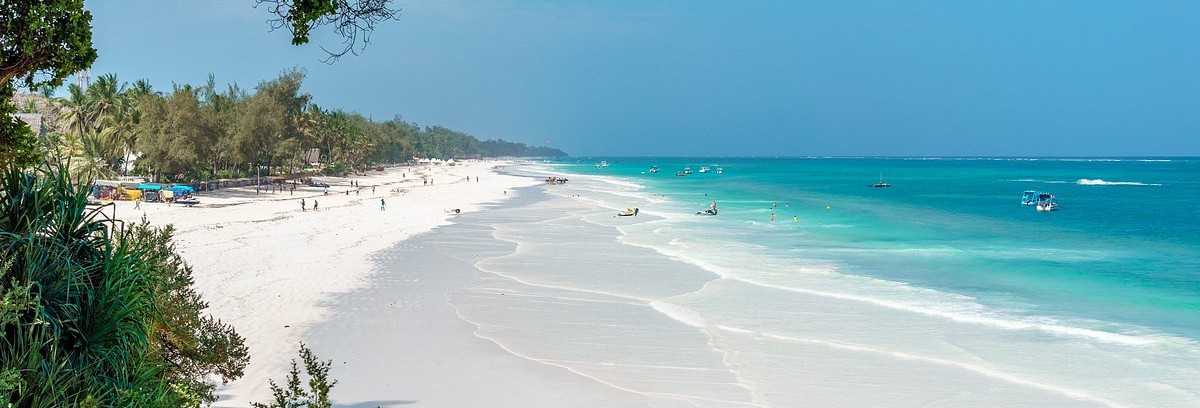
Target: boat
[(681, 174), (880, 183), (654, 169), (687, 170), (704, 169), (628, 212), (601, 164), (720, 170), (1045, 202), (1030, 197)]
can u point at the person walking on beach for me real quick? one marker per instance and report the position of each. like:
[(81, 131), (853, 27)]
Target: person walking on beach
[(382, 205), (302, 205), (314, 205), (137, 203)]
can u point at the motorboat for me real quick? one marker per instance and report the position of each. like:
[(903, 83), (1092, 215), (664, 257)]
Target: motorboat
[(880, 183), (720, 170), (1029, 197), (704, 169), (602, 164), (687, 170), (1045, 202), (654, 169)]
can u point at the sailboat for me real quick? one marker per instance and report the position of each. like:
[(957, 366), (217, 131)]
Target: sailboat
[(880, 183)]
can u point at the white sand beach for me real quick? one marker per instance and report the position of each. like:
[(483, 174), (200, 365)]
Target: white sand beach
[(273, 270)]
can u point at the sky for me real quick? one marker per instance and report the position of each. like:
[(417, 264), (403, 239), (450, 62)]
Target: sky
[(720, 78)]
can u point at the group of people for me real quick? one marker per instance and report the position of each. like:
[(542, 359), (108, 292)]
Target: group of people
[(304, 206)]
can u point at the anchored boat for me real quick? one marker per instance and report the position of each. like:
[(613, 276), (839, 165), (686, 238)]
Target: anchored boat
[(1045, 202), (1030, 197), (880, 183)]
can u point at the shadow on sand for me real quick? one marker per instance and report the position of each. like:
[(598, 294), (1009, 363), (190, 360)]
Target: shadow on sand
[(373, 404)]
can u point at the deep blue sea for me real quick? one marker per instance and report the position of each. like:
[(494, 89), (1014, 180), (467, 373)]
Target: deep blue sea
[(1120, 254)]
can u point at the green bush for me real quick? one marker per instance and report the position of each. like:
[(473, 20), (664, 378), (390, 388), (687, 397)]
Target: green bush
[(95, 312), (336, 169), (292, 395)]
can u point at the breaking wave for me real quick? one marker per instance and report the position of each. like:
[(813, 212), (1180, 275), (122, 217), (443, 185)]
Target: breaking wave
[(1099, 182)]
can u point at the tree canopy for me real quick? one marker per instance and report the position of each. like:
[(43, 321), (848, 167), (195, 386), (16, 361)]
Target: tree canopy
[(41, 43)]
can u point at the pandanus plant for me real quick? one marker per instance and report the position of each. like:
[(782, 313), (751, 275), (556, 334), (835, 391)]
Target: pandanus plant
[(94, 312)]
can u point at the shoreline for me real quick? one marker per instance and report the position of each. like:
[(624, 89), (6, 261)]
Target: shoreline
[(401, 341), (272, 270)]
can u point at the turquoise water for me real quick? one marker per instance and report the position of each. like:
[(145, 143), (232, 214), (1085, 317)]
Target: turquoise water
[(1118, 256)]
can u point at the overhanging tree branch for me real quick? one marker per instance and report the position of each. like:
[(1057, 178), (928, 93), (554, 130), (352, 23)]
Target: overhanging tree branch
[(353, 20)]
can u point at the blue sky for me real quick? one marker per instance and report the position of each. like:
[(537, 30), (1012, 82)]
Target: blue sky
[(709, 78)]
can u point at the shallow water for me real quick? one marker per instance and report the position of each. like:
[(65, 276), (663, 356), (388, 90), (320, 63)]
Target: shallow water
[(900, 297)]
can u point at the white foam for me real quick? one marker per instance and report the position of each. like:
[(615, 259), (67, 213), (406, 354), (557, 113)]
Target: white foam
[(680, 313), (1039, 181), (924, 301), (1099, 182), (900, 355)]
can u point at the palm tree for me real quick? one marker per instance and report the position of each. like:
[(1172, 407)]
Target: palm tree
[(112, 108), (77, 111)]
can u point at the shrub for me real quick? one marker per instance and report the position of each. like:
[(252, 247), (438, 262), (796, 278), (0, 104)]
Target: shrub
[(97, 313), (291, 395)]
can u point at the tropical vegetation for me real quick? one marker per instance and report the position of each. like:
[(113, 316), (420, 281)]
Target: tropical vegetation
[(95, 312), (202, 132)]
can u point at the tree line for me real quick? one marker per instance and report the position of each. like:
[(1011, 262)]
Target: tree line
[(202, 132)]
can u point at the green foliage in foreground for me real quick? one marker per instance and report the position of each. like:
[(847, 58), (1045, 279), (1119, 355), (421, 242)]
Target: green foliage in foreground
[(97, 313), (292, 395)]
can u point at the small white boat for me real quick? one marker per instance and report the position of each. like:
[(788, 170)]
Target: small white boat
[(1045, 202), (654, 169), (880, 183), (687, 170), (602, 164), (704, 169), (720, 170)]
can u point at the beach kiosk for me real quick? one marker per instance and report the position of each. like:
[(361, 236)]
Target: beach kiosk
[(128, 190), (105, 189), (151, 192)]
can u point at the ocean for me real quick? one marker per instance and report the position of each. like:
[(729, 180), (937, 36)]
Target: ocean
[(943, 282)]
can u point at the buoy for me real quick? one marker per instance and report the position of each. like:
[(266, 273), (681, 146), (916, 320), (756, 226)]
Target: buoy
[(826, 206)]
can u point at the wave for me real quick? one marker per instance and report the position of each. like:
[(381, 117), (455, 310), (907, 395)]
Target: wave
[(1099, 182), (1039, 181), (1087, 182)]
